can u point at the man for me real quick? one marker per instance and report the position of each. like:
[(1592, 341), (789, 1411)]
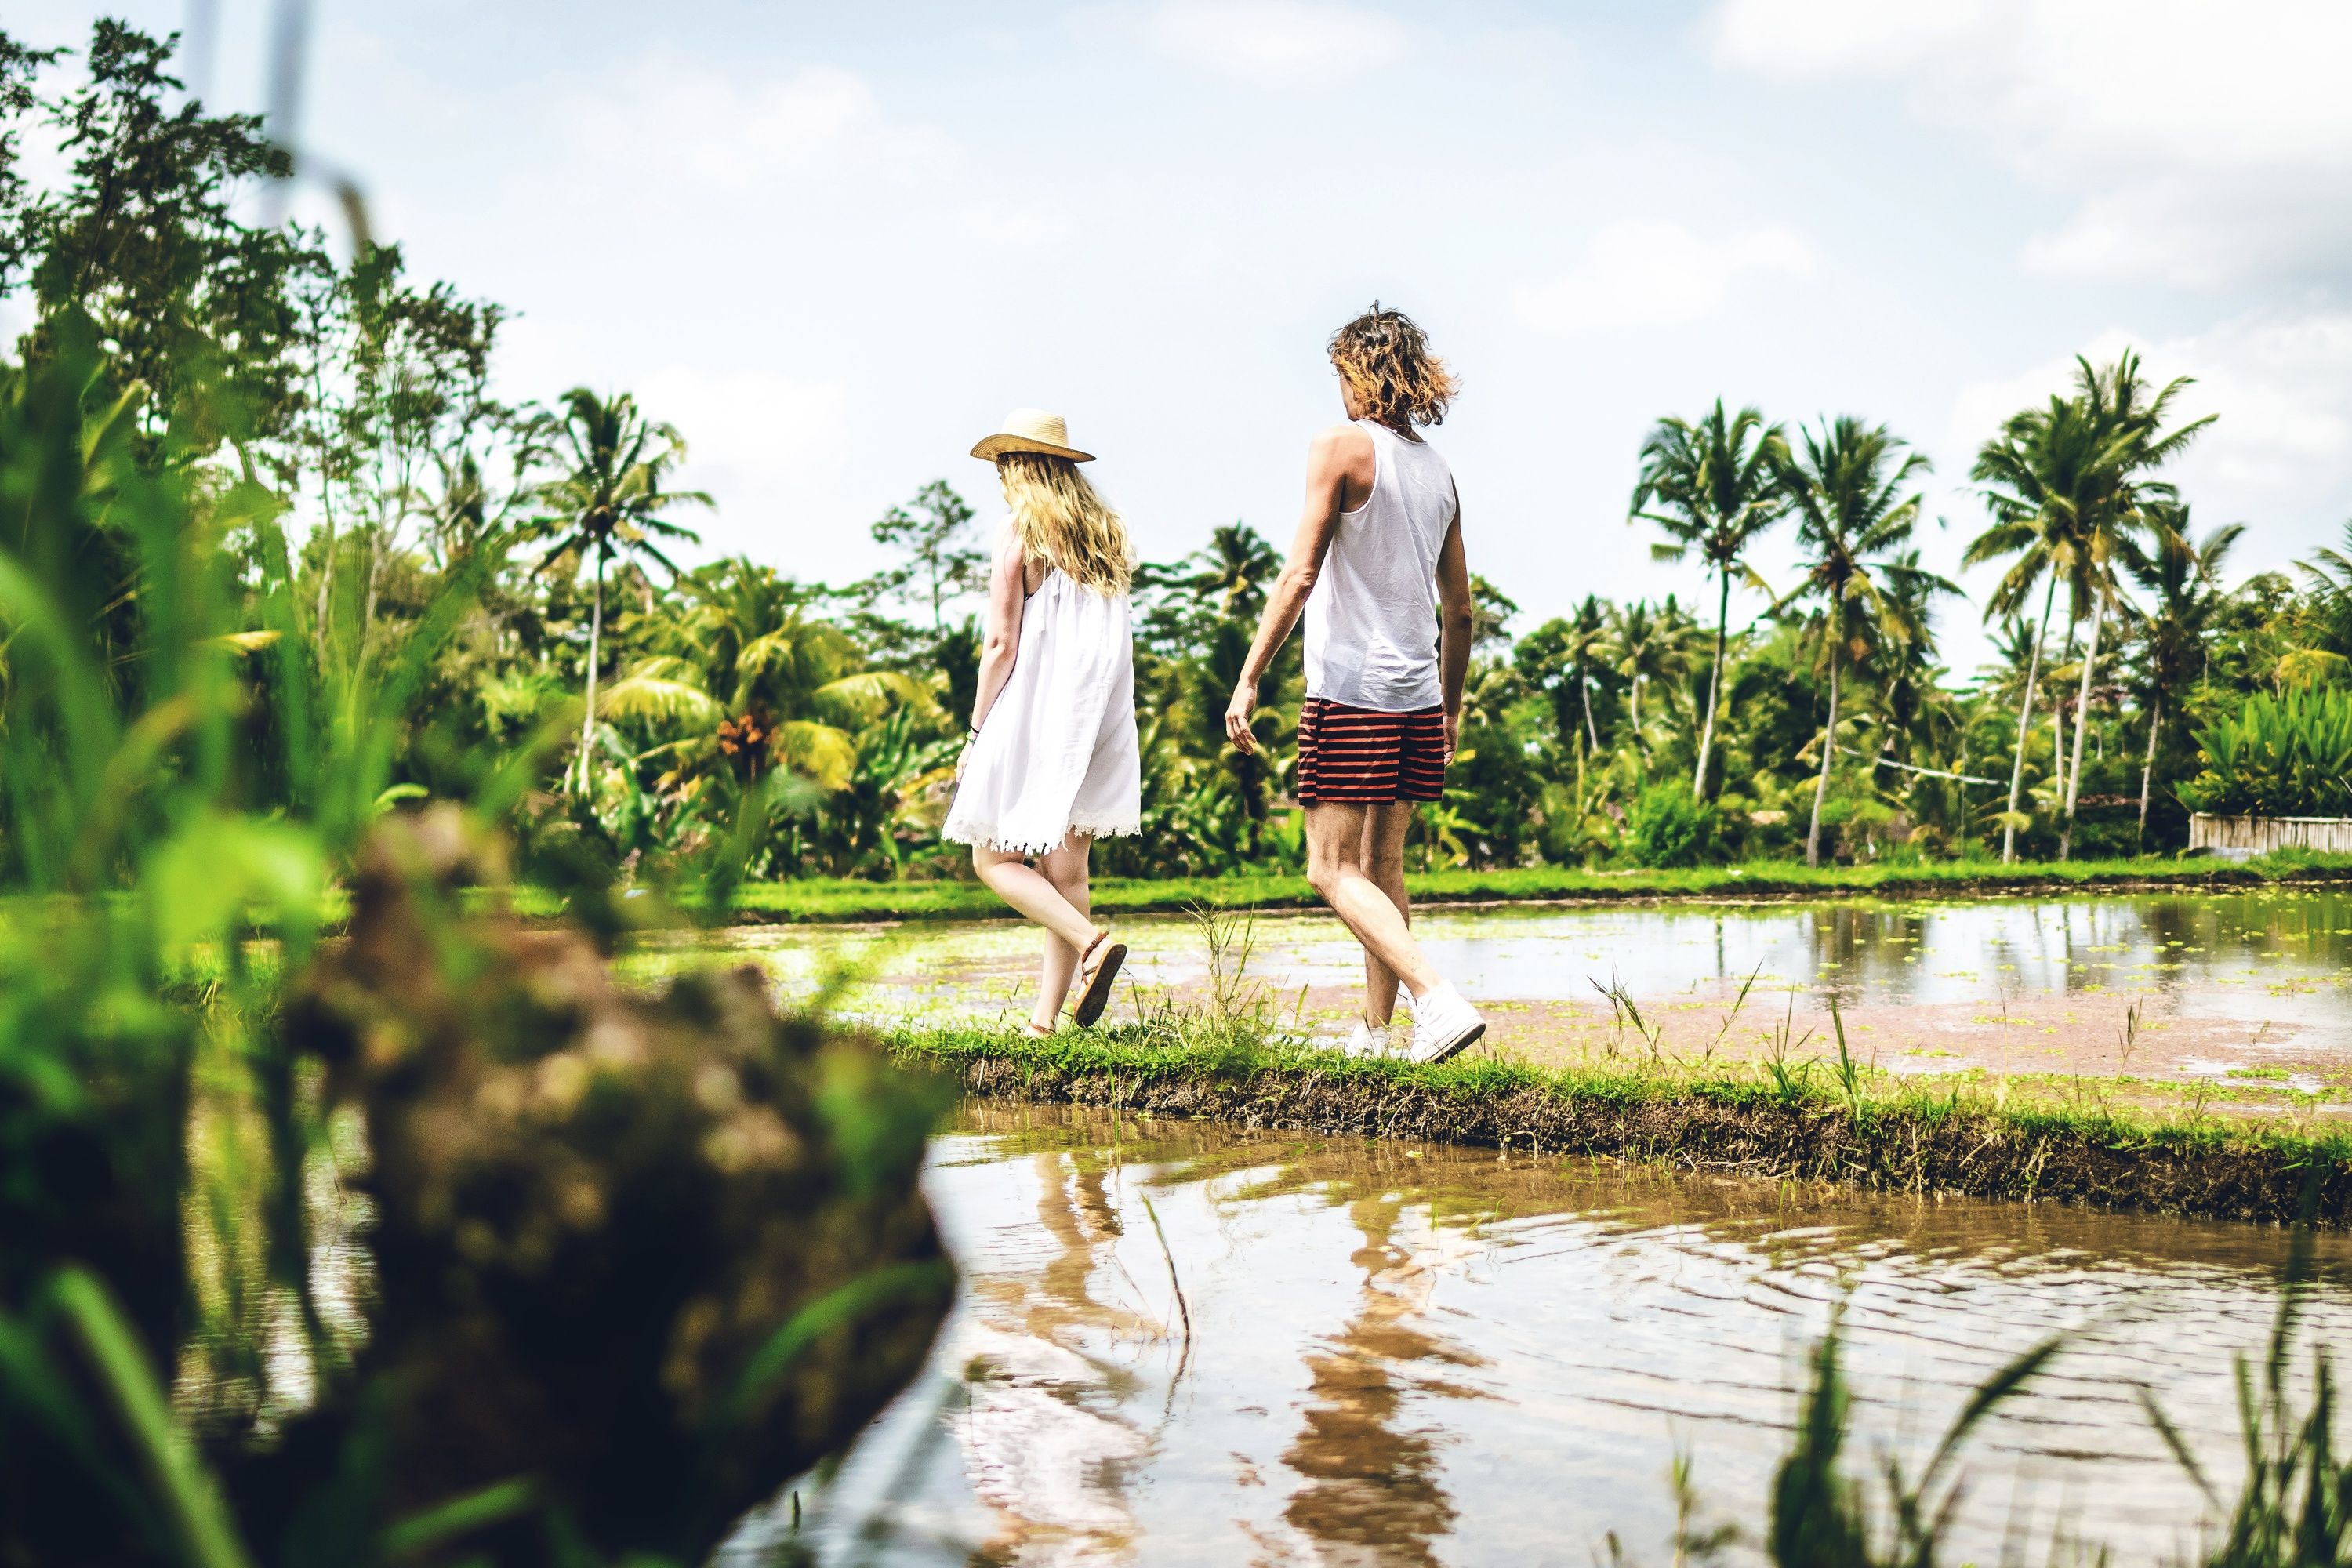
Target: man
[(1385, 661)]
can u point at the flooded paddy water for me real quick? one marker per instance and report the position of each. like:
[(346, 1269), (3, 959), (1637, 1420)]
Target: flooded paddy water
[(2246, 990), (1408, 1355), (1404, 1354)]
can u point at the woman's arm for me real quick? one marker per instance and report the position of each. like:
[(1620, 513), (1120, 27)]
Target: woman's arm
[(1337, 455), (1001, 637)]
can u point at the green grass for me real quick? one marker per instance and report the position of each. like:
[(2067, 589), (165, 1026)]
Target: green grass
[(1996, 1139), (842, 899)]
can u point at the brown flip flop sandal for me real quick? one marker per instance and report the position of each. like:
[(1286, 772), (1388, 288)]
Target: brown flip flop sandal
[(1099, 978), (1036, 1031)]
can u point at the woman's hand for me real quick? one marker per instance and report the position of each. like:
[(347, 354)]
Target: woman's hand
[(1238, 714)]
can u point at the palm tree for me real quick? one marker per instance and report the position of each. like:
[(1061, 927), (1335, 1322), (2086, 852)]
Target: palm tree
[(738, 654), (1645, 645), (2183, 579), (2329, 577), (2035, 463), (1563, 656), (2062, 485), (1851, 520), (2118, 401), (608, 504), (1713, 488)]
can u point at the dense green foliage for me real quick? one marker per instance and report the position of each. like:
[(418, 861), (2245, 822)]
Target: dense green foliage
[(364, 415), (205, 734), (2288, 755)]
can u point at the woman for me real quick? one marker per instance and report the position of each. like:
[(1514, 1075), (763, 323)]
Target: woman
[(1050, 762)]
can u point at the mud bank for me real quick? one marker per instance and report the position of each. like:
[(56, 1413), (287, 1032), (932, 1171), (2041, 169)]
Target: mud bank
[(1866, 1132)]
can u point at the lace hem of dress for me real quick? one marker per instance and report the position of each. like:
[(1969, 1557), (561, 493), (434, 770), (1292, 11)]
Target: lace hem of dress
[(992, 834)]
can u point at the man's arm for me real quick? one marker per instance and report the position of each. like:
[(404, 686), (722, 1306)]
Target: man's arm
[(1455, 623), (1336, 453)]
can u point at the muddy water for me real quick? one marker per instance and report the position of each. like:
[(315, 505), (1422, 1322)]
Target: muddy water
[(2249, 984), (1409, 1355)]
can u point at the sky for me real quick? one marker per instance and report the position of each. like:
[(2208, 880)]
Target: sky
[(834, 244)]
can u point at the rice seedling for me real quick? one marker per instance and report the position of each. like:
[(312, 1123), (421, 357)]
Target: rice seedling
[(1731, 1015)]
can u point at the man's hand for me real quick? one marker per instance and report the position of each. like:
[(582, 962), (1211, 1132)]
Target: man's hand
[(1452, 734), (1238, 714)]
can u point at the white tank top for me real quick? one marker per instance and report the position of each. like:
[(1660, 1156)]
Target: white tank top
[(1371, 621)]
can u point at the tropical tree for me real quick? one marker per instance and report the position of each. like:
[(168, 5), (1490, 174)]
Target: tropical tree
[(2035, 473), (2063, 483), (1844, 491), (934, 532), (1562, 657), (2328, 576), (2119, 402), (609, 504), (1713, 488), (1646, 643), (2182, 576), (739, 658)]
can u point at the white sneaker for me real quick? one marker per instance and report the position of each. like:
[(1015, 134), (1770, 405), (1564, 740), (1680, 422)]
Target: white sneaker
[(1443, 1023), (1367, 1041)]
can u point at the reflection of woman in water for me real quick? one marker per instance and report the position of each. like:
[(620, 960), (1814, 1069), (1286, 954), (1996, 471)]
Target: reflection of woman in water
[(1044, 1443), (1372, 1492)]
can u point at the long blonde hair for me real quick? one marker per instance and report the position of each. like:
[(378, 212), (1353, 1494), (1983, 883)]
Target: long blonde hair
[(1060, 520)]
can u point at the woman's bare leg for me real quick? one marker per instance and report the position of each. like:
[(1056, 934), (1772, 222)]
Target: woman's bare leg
[(1385, 828), (1065, 869), (1028, 890)]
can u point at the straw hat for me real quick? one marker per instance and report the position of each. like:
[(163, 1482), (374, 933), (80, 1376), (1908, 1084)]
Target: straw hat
[(1030, 430)]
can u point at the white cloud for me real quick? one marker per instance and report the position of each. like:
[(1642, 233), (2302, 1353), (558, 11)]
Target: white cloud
[(1644, 272), (2280, 456), (771, 451), (2204, 142), (1793, 41), (1277, 40), (697, 125)]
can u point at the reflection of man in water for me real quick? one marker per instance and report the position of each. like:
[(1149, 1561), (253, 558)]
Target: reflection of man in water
[(1371, 1492)]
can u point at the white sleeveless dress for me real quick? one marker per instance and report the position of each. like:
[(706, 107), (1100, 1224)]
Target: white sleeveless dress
[(1057, 753)]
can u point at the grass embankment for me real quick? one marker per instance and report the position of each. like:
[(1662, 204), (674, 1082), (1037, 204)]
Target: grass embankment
[(840, 899), (1817, 1121)]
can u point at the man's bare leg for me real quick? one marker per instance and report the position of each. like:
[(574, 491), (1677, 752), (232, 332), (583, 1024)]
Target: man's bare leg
[(1385, 828), (1335, 866)]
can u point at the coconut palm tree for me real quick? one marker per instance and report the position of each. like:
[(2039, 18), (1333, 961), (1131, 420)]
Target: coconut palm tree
[(2119, 402), (1647, 644), (2034, 471), (1712, 488), (608, 503), (1844, 491), (2063, 483), (1564, 655), (2183, 578), (2328, 576)]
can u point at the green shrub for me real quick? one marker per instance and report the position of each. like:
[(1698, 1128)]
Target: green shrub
[(2289, 755), (1667, 828)]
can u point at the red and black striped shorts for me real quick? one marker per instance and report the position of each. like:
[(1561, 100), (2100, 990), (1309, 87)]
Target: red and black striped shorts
[(1356, 756)]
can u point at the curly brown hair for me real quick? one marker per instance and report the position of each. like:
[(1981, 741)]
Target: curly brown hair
[(1383, 358)]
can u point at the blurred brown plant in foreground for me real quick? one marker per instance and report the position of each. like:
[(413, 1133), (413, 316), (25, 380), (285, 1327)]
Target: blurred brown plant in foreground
[(656, 1253)]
